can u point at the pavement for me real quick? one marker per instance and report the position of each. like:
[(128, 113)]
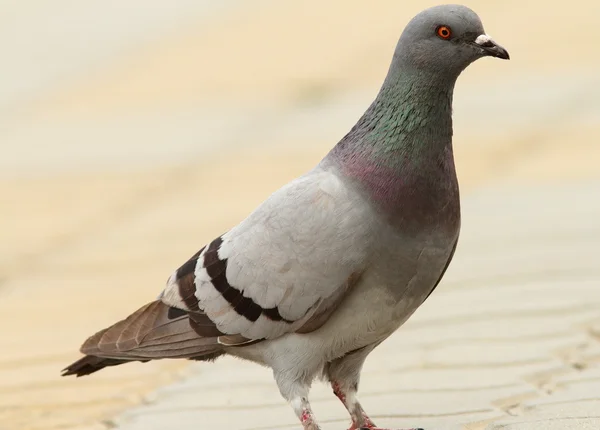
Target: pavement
[(134, 132)]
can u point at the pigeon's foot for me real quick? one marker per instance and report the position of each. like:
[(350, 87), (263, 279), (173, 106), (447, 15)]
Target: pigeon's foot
[(360, 420), (379, 428), (373, 427)]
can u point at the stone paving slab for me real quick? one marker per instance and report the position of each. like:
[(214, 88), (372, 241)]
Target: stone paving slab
[(516, 354)]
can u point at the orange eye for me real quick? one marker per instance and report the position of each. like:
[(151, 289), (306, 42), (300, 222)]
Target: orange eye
[(444, 32)]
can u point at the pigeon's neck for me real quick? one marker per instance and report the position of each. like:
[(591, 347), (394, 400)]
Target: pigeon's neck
[(411, 118), (402, 145)]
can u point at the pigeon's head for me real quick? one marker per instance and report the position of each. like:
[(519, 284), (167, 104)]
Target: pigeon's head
[(446, 39)]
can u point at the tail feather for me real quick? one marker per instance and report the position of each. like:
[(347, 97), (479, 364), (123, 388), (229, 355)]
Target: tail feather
[(152, 332), (90, 364)]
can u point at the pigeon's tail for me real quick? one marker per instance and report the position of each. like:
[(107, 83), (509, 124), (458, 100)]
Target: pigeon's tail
[(153, 332), (90, 364)]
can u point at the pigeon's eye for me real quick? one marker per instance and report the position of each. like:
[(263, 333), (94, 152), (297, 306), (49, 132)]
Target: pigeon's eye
[(444, 32)]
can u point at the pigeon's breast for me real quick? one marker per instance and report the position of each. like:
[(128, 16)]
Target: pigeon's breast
[(411, 197)]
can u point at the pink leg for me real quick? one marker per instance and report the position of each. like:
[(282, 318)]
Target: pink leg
[(360, 420), (296, 393), (304, 413)]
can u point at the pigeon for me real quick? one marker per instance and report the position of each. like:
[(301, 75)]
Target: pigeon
[(334, 262)]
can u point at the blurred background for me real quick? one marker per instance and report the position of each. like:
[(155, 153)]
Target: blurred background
[(133, 131)]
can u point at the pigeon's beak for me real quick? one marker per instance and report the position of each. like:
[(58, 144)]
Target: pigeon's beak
[(491, 48)]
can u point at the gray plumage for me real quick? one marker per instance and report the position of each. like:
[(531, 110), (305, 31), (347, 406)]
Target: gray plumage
[(335, 261)]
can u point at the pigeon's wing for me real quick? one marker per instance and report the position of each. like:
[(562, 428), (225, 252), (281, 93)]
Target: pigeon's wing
[(283, 269)]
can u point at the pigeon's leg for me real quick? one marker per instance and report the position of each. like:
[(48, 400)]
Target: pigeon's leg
[(304, 413), (296, 393), (347, 395), (344, 376)]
